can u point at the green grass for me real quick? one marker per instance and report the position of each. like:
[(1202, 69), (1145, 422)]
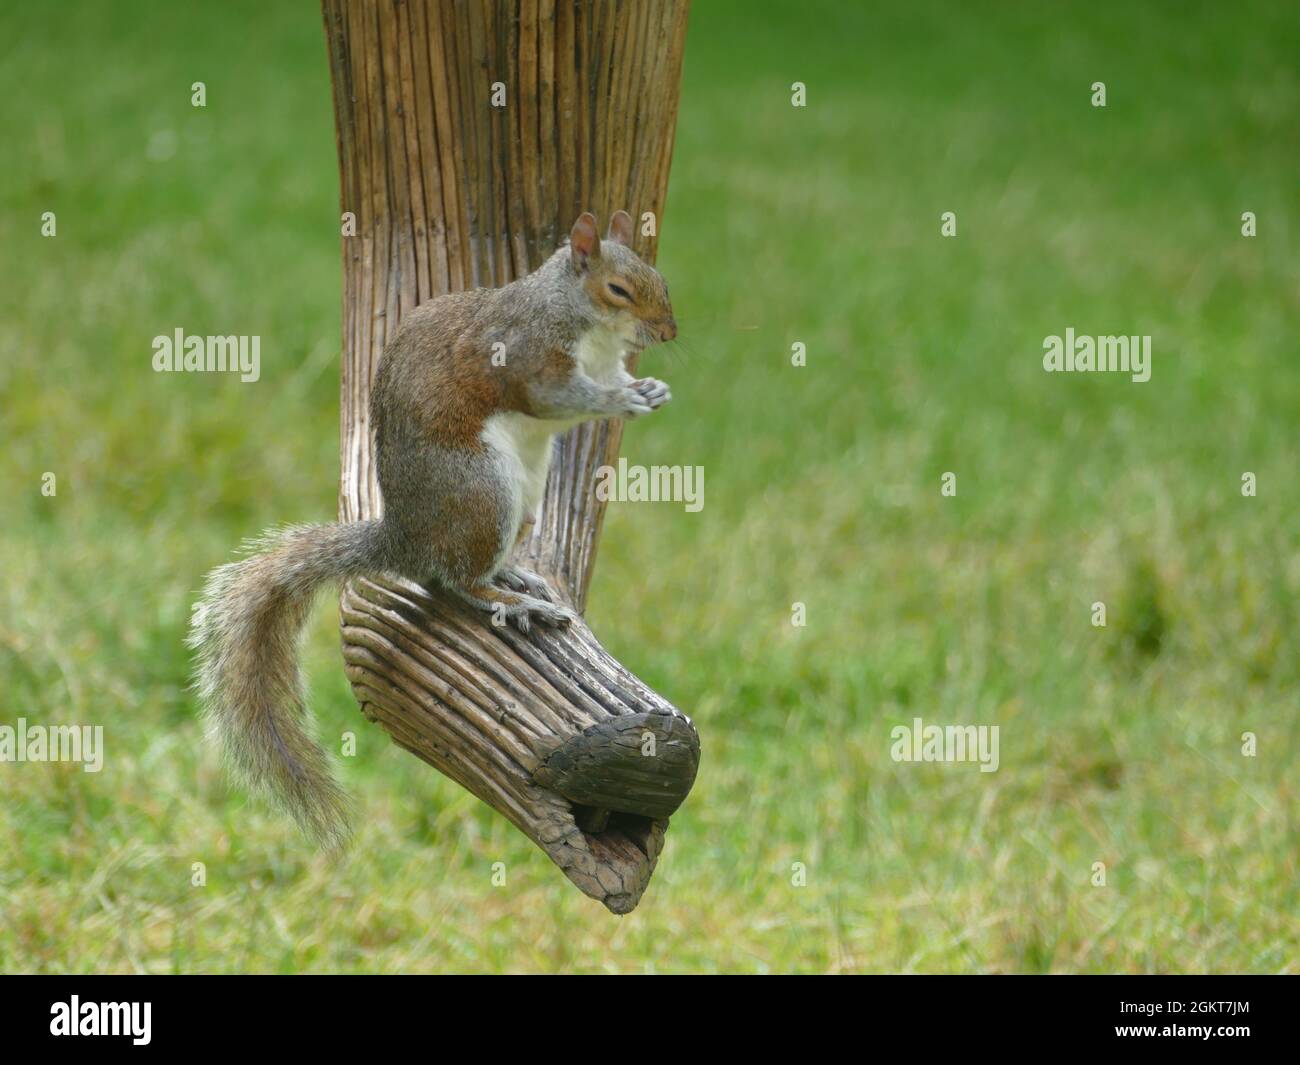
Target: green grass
[(1118, 745)]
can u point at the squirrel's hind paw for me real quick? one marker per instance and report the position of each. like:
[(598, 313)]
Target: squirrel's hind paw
[(508, 606), (518, 579), (529, 610)]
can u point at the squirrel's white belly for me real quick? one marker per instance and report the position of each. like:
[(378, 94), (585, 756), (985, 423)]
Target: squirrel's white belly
[(525, 444)]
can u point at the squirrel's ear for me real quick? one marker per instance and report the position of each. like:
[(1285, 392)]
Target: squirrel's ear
[(620, 229), (584, 244)]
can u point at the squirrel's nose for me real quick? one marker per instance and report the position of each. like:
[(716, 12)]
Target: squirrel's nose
[(668, 330)]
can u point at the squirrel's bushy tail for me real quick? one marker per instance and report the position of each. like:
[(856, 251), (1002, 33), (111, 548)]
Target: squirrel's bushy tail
[(246, 633)]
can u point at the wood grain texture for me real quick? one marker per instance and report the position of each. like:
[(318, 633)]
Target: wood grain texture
[(451, 192)]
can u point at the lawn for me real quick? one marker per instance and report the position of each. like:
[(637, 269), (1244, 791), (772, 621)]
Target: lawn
[(804, 846)]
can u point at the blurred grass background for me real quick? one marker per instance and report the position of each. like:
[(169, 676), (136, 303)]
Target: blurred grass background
[(1118, 745)]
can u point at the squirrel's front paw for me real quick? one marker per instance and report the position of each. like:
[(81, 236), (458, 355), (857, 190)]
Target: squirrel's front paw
[(645, 395)]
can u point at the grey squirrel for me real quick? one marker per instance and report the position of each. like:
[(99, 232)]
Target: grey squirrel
[(468, 398)]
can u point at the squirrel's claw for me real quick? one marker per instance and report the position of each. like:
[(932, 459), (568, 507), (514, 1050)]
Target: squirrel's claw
[(548, 614), (518, 579)]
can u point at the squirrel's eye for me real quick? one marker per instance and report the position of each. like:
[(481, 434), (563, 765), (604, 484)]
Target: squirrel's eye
[(620, 291)]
